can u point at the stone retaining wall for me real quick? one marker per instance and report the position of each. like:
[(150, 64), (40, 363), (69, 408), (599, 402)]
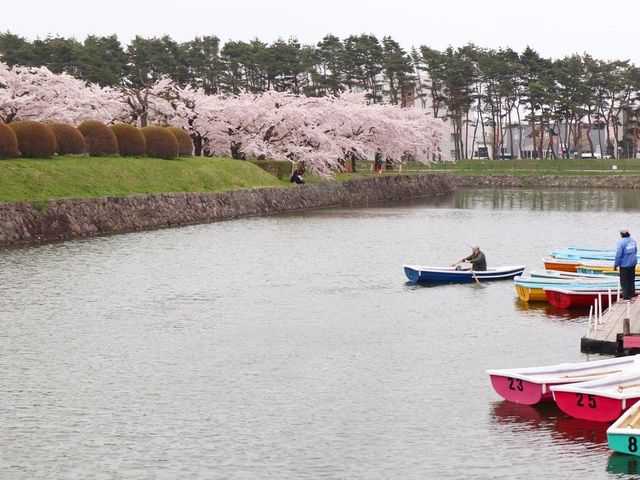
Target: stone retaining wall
[(552, 181), (31, 222)]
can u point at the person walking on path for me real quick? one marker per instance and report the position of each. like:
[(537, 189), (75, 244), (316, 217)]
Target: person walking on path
[(477, 259), (626, 259)]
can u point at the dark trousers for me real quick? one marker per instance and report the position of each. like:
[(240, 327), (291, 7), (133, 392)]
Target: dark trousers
[(627, 282)]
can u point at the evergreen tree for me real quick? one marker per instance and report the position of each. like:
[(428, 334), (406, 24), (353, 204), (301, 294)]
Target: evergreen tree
[(398, 71)]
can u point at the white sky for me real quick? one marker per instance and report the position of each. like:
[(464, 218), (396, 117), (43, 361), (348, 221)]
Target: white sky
[(554, 28)]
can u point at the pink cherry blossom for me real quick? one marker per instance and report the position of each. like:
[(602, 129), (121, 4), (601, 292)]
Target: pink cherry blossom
[(321, 131)]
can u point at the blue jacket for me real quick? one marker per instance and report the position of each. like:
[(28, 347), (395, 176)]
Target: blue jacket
[(626, 253)]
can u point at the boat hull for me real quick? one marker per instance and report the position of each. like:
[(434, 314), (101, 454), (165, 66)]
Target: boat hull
[(561, 265), (418, 274), (520, 391), (624, 435), (531, 385), (625, 442), (599, 408), (595, 270), (577, 299), (528, 294)]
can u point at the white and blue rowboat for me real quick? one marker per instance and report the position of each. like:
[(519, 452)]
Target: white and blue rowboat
[(590, 249), (574, 255), (418, 274), (584, 255), (557, 274)]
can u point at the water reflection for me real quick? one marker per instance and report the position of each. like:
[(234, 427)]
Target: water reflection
[(547, 417), (621, 464), (565, 200), (289, 346), (577, 314), (472, 285)]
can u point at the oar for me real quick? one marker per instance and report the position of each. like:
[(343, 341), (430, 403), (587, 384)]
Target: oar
[(591, 374), (474, 275), (634, 419)]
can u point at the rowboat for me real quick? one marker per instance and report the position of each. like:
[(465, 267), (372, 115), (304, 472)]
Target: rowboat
[(531, 385), (560, 274), (418, 274), (624, 435), (601, 269), (575, 255), (561, 265), (531, 289), (602, 400), (567, 298), (572, 254), (530, 294), (575, 248)]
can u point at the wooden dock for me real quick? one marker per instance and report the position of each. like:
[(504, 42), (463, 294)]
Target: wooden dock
[(605, 336)]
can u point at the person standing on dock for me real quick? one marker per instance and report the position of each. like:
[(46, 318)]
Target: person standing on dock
[(626, 259), (477, 259)]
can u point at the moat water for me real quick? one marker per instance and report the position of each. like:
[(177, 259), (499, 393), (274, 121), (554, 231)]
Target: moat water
[(292, 346)]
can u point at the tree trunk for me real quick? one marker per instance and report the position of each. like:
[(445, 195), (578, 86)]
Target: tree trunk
[(567, 137), (484, 133), (500, 129), (589, 126), (520, 152), (541, 144), (197, 144), (236, 150), (510, 106), (466, 135)]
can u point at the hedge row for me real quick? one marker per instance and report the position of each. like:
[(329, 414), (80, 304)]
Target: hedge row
[(37, 140)]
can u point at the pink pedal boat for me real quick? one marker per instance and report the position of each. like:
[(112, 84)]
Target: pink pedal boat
[(531, 385), (601, 400)]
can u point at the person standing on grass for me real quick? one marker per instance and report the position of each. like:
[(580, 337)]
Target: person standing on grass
[(626, 259)]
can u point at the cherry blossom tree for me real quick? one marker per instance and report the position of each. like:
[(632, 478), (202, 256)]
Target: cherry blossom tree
[(321, 131), (29, 93)]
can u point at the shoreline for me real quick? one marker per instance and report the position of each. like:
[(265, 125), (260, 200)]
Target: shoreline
[(25, 223)]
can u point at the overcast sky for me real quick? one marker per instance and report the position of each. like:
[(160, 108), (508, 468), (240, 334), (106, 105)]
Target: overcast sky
[(555, 28)]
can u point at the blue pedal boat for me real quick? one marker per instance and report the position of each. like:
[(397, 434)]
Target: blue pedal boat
[(421, 274)]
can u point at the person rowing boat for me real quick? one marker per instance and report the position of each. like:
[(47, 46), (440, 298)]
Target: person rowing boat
[(477, 259)]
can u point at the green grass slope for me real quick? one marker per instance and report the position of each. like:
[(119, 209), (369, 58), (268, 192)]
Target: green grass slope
[(78, 177)]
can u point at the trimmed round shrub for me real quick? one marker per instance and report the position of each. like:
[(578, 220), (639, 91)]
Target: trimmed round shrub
[(8, 142), (131, 141), (99, 138), (185, 143), (69, 138), (161, 143), (35, 140)]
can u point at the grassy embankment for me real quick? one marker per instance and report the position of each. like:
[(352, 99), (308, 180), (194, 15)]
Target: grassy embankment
[(78, 177), (524, 167), (578, 167)]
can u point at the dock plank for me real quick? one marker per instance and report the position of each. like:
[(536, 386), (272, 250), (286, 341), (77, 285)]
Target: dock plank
[(610, 320), (611, 325)]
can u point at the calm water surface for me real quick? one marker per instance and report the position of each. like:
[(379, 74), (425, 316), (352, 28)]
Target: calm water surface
[(292, 346)]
